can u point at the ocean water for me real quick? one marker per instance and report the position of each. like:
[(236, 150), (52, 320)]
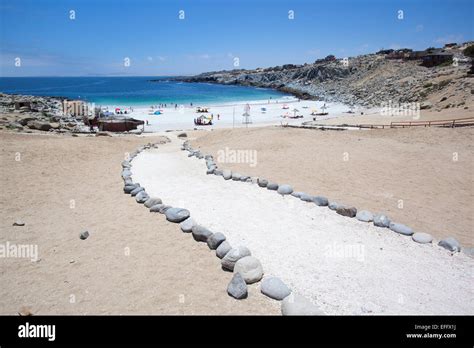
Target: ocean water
[(133, 91)]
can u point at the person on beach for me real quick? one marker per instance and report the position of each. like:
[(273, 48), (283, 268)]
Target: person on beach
[(218, 117)]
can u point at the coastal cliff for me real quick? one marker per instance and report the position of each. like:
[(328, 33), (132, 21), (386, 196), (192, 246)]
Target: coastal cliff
[(367, 80)]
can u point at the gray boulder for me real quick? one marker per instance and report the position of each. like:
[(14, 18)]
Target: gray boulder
[(297, 194), (126, 173), (450, 243), (39, 125), (236, 176), (156, 208), (422, 238), (237, 287), (177, 214), (84, 235), (218, 172), (262, 182), (250, 269), (272, 186), (274, 288), (296, 304), (187, 225), (227, 174), (244, 178), (400, 228), (136, 190), (126, 164), (152, 201), (285, 189), (365, 216), (164, 208), (306, 198), (19, 223), (200, 233), (142, 197), (333, 205), (215, 240), (223, 249), (381, 220), (320, 201), (234, 255), (347, 211), (210, 171)]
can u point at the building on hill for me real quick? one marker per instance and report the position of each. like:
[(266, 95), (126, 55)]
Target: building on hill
[(436, 58)]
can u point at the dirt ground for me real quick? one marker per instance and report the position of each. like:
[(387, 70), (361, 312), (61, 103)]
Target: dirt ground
[(419, 177), (134, 262)]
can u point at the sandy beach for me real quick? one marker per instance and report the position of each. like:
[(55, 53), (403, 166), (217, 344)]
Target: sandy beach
[(134, 262), (230, 114)]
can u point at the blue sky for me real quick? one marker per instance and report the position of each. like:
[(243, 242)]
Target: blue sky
[(213, 33)]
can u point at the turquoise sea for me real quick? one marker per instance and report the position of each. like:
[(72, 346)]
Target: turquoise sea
[(133, 91)]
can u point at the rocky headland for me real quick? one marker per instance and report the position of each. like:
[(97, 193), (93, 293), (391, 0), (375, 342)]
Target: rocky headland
[(441, 78)]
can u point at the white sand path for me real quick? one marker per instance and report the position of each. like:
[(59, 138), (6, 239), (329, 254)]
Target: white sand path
[(343, 265)]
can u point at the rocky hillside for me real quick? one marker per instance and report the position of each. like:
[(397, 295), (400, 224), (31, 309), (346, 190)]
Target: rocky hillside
[(34, 113), (367, 80)]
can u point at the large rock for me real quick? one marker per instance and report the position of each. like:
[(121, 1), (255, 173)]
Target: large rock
[(215, 240), (126, 164), (274, 288), (333, 205), (237, 287), (227, 174), (200, 233), (297, 194), (219, 172), (236, 176), (187, 225), (142, 197), (285, 189), (381, 220), (223, 249), (152, 201), (422, 238), (272, 186), (135, 191), (164, 208), (400, 228), (347, 211), (295, 304), (130, 188), (450, 243), (250, 269), (156, 208), (84, 235), (234, 255), (126, 173), (306, 198), (320, 201), (39, 125), (365, 216), (262, 182), (177, 214)]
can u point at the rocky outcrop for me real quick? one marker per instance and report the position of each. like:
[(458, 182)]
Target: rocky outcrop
[(366, 80)]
